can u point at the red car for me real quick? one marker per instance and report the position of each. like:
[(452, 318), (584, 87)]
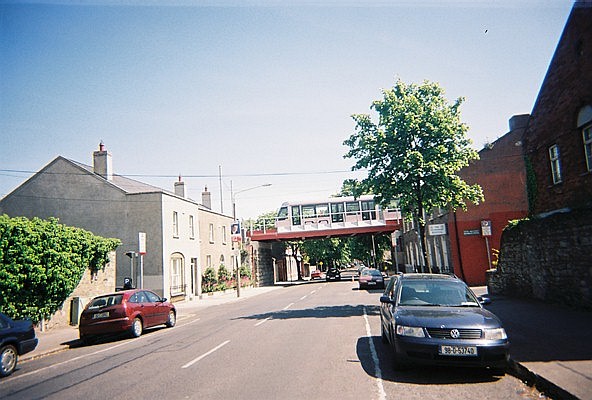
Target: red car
[(127, 311), (316, 274)]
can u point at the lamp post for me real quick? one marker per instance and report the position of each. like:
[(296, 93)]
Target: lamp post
[(238, 249)]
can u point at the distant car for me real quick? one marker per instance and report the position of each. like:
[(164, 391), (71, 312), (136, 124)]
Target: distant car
[(436, 319), (361, 268), (316, 274), (127, 311), (17, 337), (333, 274), (371, 278)]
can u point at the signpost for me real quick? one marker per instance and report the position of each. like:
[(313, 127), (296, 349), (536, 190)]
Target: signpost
[(141, 252), (486, 233)]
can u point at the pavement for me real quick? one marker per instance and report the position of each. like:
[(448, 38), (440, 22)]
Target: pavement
[(550, 345)]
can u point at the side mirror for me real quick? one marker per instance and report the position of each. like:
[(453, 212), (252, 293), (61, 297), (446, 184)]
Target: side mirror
[(163, 299), (484, 300), (386, 299)]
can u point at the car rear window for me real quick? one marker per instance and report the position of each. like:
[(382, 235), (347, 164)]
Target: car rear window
[(105, 301)]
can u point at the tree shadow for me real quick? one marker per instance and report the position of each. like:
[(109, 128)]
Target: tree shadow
[(342, 311), (420, 375), (107, 338)]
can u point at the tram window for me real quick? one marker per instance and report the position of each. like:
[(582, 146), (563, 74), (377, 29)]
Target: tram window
[(322, 210), (352, 207), (368, 210), (308, 211), (296, 215), (337, 210), (282, 214)]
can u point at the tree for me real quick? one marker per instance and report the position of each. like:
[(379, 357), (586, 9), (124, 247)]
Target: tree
[(414, 151), (42, 262), (331, 251)]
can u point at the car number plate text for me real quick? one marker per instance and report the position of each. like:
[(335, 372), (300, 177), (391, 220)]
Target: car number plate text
[(465, 351), (101, 315)]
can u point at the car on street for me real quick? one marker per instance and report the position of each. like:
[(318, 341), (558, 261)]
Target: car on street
[(17, 337), (371, 279), (436, 319), (316, 274), (129, 311), (333, 274)]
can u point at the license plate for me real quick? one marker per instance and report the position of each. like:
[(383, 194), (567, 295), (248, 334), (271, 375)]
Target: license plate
[(101, 315), (371, 283), (463, 351)]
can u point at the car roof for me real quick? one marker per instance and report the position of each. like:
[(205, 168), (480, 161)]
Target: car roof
[(411, 276)]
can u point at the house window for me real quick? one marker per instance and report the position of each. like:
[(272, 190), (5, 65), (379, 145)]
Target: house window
[(211, 233), (177, 275), (208, 261), (587, 136), (222, 259), (191, 228), (555, 163), (223, 234), (175, 224)]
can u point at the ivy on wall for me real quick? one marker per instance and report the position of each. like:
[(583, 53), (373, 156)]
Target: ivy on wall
[(42, 262), (531, 184)]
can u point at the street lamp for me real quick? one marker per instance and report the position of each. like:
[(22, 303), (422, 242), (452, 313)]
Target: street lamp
[(237, 250)]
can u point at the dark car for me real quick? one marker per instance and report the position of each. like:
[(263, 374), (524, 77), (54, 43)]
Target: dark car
[(127, 311), (333, 274), (17, 337), (371, 278), (436, 319)]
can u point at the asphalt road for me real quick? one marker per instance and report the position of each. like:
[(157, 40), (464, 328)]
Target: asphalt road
[(313, 341)]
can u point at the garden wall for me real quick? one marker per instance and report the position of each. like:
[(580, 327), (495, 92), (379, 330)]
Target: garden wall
[(548, 259)]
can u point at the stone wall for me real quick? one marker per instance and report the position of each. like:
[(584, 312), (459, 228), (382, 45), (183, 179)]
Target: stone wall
[(89, 287), (549, 259), (263, 264)]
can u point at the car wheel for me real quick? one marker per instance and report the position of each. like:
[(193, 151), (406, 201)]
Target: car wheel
[(136, 329), (86, 339), (171, 320), (9, 357)]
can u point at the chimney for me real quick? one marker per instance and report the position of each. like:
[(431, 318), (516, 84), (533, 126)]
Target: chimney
[(519, 121), (180, 188), (206, 199), (102, 164)]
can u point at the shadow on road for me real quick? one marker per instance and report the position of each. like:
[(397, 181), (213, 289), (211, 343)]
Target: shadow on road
[(344, 311)]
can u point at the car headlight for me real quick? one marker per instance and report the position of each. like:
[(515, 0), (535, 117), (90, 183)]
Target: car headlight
[(413, 331), (495, 334)]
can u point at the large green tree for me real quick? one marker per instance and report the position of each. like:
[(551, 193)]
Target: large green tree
[(414, 152)]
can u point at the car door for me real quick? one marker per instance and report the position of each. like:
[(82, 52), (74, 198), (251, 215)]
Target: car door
[(387, 309), (158, 309)]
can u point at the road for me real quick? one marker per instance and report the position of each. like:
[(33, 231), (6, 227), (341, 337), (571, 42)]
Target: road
[(313, 341)]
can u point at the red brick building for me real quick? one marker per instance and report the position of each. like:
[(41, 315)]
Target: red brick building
[(500, 172), (558, 140)]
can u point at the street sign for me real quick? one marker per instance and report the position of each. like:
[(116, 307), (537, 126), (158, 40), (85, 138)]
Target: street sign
[(235, 232), (142, 243), (437, 229), (485, 228)]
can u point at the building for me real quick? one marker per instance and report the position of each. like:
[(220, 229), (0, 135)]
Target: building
[(549, 256), (475, 233), (159, 230)]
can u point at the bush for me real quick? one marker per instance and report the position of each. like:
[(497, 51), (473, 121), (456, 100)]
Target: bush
[(223, 274), (42, 262), (208, 280)]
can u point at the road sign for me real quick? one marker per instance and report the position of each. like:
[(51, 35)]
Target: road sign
[(485, 228)]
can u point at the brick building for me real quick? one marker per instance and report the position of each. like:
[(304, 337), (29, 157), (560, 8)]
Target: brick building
[(500, 172)]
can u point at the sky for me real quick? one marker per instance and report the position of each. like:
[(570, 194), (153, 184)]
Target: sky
[(236, 95)]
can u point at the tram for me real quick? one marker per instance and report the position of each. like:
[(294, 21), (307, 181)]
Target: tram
[(333, 213)]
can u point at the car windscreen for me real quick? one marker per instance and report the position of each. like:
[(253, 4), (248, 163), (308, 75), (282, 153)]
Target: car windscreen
[(105, 301), (437, 293)]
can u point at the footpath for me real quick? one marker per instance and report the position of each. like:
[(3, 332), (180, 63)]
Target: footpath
[(550, 345)]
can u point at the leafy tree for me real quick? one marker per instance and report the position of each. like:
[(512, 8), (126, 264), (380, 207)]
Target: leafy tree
[(209, 280), (42, 262), (414, 152), (332, 251)]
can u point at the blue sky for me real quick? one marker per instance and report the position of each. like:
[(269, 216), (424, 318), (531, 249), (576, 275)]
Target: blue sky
[(261, 90)]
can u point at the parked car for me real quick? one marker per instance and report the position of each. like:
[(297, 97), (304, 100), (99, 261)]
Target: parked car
[(437, 320), (316, 274), (333, 274), (371, 278), (17, 337), (127, 311)]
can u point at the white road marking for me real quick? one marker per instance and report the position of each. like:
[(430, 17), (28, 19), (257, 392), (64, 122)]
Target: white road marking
[(265, 320), (379, 386), (163, 331), (288, 306), (304, 297), (190, 363)]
